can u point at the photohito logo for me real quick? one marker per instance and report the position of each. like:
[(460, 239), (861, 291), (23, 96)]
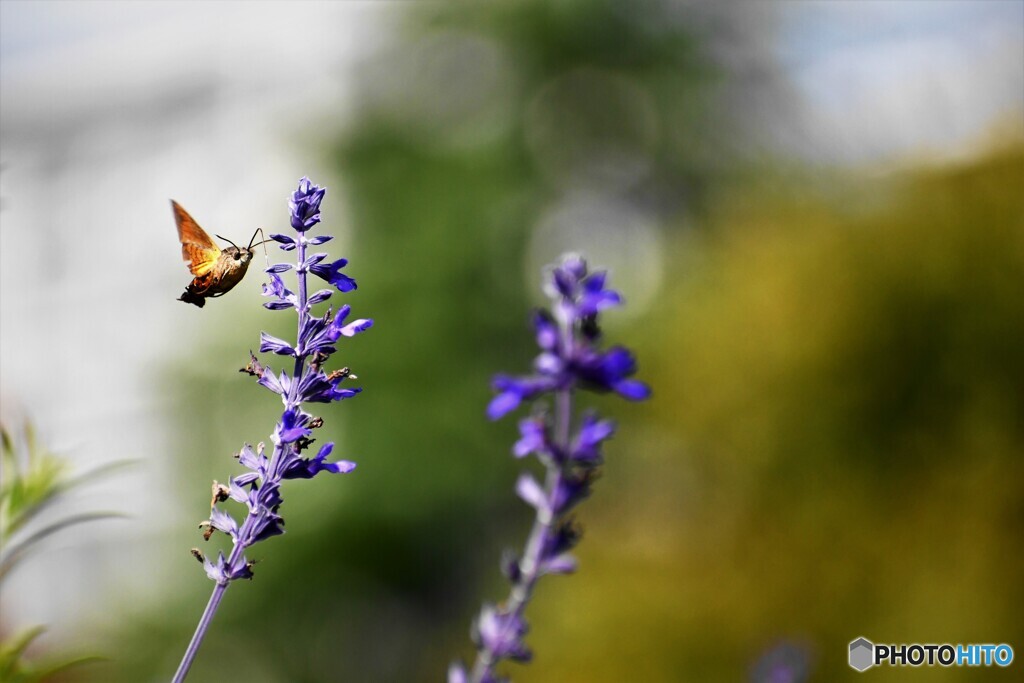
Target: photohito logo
[(864, 654)]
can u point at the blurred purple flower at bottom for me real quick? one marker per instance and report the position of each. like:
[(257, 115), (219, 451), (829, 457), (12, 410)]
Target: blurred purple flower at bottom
[(784, 663)]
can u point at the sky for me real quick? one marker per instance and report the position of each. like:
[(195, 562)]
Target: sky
[(889, 79)]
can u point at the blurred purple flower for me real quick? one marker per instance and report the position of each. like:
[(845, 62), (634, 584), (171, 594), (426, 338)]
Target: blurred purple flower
[(569, 356), (592, 433), (785, 662), (569, 359), (501, 634)]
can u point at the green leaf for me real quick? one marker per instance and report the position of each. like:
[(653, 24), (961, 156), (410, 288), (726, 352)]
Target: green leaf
[(10, 652), (28, 482), (14, 670), (48, 670), (61, 487), (13, 554)]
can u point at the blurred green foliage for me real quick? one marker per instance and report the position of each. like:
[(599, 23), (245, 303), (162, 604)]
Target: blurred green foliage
[(834, 445), (32, 482), (15, 669)]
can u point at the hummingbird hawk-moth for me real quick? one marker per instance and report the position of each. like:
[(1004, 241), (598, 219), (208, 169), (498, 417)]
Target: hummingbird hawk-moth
[(215, 270)]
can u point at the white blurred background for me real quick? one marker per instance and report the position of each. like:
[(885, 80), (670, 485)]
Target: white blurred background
[(108, 110)]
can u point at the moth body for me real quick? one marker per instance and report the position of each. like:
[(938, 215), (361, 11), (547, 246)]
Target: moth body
[(216, 271)]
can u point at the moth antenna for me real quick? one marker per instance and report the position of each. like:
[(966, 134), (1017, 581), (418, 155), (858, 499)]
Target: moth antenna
[(227, 240)]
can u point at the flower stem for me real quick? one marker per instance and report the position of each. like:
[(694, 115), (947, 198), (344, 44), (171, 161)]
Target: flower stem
[(303, 311), (529, 565), (215, 598), (197, 637)]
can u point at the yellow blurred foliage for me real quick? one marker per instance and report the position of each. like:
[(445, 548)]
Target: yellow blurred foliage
[(834, 448)]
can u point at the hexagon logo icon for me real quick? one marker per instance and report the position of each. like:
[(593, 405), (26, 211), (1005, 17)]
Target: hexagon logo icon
[(862, 654)]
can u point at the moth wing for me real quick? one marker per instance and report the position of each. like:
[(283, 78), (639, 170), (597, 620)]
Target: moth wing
[(196, 246), (200, 260)]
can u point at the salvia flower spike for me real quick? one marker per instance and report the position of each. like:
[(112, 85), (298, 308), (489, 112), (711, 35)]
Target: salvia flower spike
[(259, 489), (569, 359)]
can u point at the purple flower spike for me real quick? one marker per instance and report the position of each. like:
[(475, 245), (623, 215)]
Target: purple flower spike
[(503, 403), (533, 494), (242, 569), (515, 390), (215, 570), (259, 489), (595, 298), (569, 360), (307, 469), (547, 331), (254, 460), (502, 633), (275, 345), (283, 297), (457, 673), (563, 564), (222, 521), (305, 206), (586, 448), (534, 439), (287, 243), (291, 428), (355, 327), (331, 272)]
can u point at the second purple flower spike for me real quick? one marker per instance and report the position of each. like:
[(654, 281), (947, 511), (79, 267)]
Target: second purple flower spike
[(569, 359)]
